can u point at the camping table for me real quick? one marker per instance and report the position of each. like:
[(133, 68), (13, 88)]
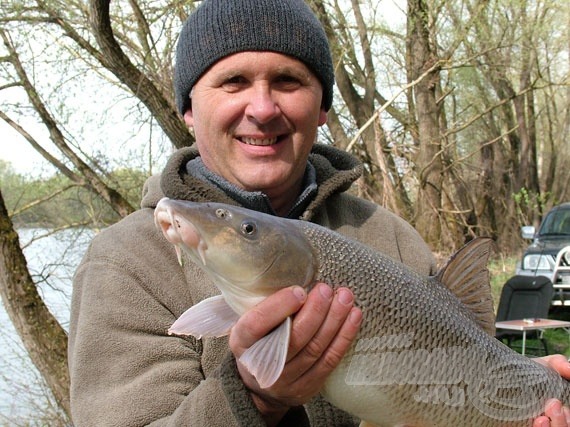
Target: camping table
[(532, 325)]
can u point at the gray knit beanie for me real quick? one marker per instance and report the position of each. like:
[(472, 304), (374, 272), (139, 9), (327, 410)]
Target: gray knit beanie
[(218, 28)]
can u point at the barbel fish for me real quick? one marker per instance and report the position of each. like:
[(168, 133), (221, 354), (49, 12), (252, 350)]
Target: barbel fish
[(425, 354)]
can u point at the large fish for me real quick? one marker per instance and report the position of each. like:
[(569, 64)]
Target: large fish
[(425, 354)]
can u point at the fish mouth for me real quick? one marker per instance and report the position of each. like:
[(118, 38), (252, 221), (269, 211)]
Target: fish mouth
[(181, 232), (197, 243)]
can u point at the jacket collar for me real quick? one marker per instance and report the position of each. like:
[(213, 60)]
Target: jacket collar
[(335, 171)]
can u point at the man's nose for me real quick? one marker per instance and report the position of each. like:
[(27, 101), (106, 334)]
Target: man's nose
[(262, 105)]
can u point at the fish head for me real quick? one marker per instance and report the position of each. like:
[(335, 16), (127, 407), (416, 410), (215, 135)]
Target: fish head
[(248, 254)]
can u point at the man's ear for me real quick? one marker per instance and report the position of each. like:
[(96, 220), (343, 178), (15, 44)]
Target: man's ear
[(189, 118), (322, 117)]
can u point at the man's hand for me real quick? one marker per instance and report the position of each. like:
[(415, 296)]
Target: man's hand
[(557, 362), (555, 415), (324, 327)]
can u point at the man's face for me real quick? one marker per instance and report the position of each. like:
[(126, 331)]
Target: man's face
[(255, 116)]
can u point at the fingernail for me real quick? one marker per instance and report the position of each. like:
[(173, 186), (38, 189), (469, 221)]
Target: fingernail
[(554, 407), (345, 296), (300, 293), (566, 411), (355, 316), (326, 291)]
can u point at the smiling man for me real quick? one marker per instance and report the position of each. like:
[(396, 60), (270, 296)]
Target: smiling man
[(255, 116), (254, 79)]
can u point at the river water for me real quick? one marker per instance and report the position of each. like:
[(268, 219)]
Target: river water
[(52, 260)]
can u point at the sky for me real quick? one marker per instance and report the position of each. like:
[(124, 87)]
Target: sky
[(16, 150)]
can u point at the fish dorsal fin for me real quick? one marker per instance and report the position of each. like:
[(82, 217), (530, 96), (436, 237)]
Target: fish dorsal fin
[(212, 317), (467, 276), (266, 358)]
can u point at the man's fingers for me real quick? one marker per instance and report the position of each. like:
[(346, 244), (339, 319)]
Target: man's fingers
[(339, 310), (556, 413), (541, 421), (557, 362), (331, 340), (264, 317), (324, 326), (309, 319), (341, 343)]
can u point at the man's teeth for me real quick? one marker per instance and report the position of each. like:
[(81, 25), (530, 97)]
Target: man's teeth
[(259, 141)]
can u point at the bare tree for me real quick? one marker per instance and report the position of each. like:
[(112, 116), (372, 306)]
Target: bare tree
[(462, 106)]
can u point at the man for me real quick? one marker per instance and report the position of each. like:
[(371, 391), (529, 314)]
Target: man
[(254, 79)]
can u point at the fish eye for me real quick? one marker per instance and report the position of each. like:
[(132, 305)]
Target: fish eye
[(248, 228), (222, 213)]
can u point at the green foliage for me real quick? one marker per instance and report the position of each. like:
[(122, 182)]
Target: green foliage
[(501, 269), (129, 182), (10, 183), (528, 203), (57, 202)]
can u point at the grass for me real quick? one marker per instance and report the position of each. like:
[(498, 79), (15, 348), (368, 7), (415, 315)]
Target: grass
[(501, 270)]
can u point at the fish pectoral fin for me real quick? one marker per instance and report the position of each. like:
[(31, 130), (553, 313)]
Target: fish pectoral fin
[(212, 317), (266, 358)]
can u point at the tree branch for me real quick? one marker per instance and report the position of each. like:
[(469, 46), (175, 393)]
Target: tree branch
[(86, 177), (120, 65)]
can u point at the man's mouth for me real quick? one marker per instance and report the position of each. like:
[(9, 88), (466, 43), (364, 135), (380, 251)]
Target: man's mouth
[(259, 141)]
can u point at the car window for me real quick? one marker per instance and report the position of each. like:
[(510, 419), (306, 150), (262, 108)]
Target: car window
[(557, 222)]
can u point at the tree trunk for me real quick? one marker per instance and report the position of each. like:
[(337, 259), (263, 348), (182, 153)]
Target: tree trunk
[(429, 162), (45, 340)]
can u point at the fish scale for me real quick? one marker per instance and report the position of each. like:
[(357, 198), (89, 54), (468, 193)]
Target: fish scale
[(424, 355)]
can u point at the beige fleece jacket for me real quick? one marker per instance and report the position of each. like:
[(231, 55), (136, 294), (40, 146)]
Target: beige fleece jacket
[(127, 371)]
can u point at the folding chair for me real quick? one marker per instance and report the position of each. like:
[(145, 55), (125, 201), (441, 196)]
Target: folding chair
[(524, 297)]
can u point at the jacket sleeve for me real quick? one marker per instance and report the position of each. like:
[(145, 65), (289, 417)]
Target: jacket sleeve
[(125, 369)]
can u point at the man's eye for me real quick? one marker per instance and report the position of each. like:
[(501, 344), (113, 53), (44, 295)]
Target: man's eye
[(287, 82), (235, 79), (234, 82)]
